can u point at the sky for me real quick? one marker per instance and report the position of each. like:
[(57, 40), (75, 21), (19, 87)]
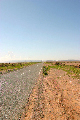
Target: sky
[(39, 30)]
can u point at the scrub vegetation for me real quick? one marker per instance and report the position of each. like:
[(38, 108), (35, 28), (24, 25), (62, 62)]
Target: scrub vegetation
[(70, 69), (7, 67)]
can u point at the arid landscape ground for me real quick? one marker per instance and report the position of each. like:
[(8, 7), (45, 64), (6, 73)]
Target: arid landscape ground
[(55, 96)]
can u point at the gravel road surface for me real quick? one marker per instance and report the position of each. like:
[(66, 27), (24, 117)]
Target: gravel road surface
[(15, 88)]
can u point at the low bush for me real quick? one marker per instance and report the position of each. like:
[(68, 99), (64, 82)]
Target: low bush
[(45, 69)]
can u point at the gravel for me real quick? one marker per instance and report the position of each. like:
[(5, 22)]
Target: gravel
[(15, 89)]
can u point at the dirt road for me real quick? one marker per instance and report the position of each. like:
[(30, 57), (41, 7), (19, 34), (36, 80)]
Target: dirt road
[(15, 89), (54, 97)]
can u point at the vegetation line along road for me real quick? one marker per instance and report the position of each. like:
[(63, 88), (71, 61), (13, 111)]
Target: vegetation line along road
[(7, 67), (73, 70)]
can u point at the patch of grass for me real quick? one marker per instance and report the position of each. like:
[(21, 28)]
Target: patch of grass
[(75, 72), (14, 66), (47, 62)]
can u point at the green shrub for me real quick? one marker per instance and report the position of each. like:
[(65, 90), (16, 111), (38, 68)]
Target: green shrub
[(45, 69)]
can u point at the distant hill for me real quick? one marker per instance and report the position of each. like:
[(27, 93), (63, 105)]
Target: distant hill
[(15, 61), (61, 60)]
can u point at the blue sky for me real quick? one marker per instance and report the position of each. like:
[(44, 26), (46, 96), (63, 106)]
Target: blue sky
[(39, 30)]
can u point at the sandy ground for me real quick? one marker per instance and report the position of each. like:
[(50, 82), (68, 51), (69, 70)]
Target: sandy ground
[(54, 97)]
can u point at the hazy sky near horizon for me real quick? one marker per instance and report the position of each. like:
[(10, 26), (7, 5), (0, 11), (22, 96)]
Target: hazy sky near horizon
[(39, 30)]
